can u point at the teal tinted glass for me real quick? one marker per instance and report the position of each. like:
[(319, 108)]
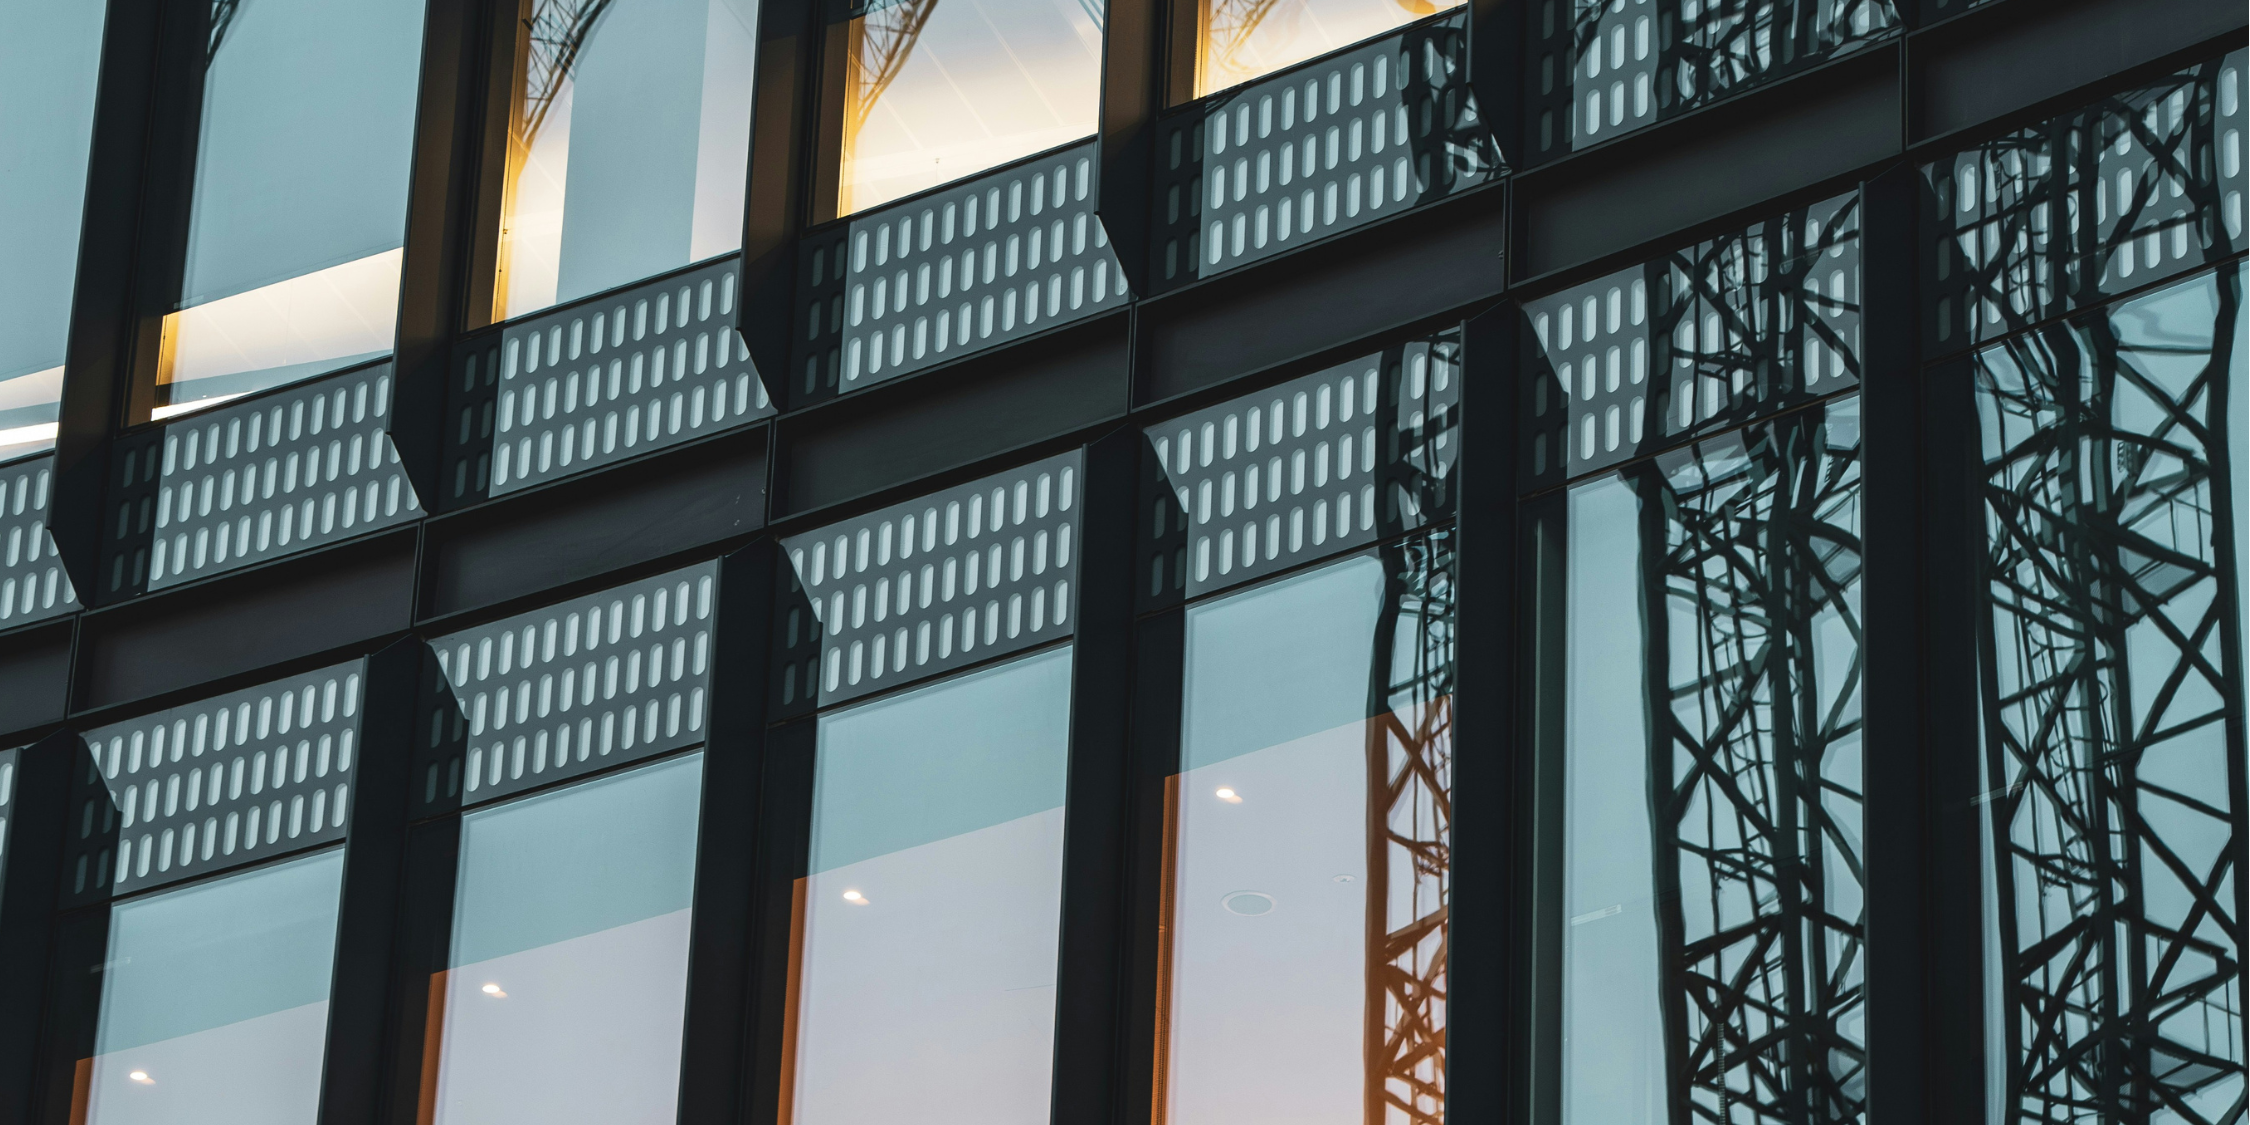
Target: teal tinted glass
[(49, 56), (299, 207), (214, 1003), (1305, 908), (568, 978), (933, 911)]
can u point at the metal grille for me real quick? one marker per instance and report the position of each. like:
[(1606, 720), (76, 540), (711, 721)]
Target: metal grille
[(33, 584), (231, 780), (1751, 567), (575, 687), (2141, 186), (1314, 467), (1699, 340), (1611, 66), (611, 377), (933, 278), (264, 479), (1329, 146), (957, 577), (2112, 710)]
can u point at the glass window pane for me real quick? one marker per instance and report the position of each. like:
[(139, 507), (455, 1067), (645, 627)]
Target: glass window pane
[(299, 211), (2110, 783), (49, 55), (214, 1008), (1711, 782), (942, 89), (570, 946), (931, 917), (1239, 40), (629, 146), (1305, 979)]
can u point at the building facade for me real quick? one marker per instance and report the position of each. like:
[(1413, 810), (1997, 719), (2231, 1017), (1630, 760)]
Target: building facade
[(1348, 562)]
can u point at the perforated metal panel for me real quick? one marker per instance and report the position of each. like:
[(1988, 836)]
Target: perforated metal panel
[(2138, 187), (1611, 66), (1699, 340), (33, 584), (230, 780), (237, 485), (916, 589), (1314, 467), (578, 686), (939, 276), (1332, 145), (607, 378)]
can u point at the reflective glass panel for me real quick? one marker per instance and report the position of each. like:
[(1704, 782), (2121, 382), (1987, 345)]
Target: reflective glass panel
[(1712, 910), (929, 924), (214, 1003), (629, 145), (49, 54), (1310, 834), (2112, 758), (1239, 40), (570, 948), (299, 211), (942, 89)]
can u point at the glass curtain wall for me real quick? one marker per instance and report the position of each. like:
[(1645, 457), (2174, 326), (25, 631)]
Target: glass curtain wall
[(1308, 849), (567, 982), (928, 927), (297, 219), (50, 54), (936, 90), (2112, 500), (214, 1001), (1712, 904), (628, 144), (1238, 40)]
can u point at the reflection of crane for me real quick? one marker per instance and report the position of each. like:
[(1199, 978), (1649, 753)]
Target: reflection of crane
[(222, 17), (1409, 841), (1229, 24), (887, 37), (553, 36)]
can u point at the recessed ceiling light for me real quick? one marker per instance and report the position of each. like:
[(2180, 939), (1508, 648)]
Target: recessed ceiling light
[(1229, 795), (493, 990), (141, 1076), (855, 898)]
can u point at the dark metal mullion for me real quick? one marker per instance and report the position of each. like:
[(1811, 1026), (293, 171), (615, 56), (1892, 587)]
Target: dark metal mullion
[(422, 953), (1153, 757), (726, 873), (1483, 1079), (774, 208), (142, 95), (33, 846), (368, 914), (452, 219), (779, 866), (1097, 803)]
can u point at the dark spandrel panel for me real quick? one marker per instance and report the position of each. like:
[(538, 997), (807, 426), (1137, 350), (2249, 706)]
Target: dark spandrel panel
[(1612, 66), (1700, 340), (235, 779), (568, 689), (238, 485), (2143, 185), (940, 276), (2111, 711), (1329, 146), (606, 379), (33, 584), (917, 589), (1711, 781), (1314, 467)]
